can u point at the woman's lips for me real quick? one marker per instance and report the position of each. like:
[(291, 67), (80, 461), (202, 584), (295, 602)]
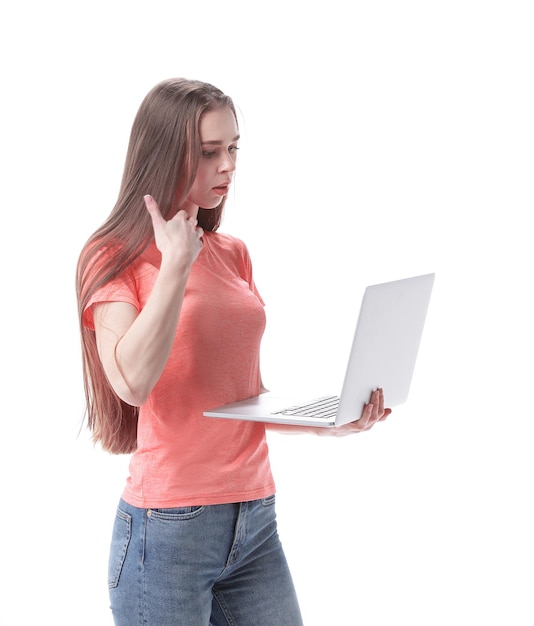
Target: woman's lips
[(222, 190)]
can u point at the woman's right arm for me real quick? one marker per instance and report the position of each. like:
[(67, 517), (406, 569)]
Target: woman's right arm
[(134, 347)]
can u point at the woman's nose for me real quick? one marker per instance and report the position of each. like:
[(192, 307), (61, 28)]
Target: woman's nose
[(227, 164)]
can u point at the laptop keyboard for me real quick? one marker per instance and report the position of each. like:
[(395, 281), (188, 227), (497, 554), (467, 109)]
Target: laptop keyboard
[(325, 407)]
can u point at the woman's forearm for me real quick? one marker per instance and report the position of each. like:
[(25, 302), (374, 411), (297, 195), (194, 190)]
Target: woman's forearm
[(134, 348)]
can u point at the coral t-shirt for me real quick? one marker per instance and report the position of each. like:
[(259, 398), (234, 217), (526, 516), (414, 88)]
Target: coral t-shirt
[(182, 457)]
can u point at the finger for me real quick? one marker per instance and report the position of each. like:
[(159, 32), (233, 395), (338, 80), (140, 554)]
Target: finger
[(386, 413), (375, 400), (182, 215), (380, 401), (366, 416), (378, 407), (153, 209)]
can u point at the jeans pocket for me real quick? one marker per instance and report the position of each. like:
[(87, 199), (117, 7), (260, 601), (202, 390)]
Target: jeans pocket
[(269, 500), (181, 513), (122, 532)]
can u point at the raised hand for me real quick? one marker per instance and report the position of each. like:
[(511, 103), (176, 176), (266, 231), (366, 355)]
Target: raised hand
[(178, 239)]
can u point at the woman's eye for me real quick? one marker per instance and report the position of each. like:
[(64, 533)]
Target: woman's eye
[(208, 154)]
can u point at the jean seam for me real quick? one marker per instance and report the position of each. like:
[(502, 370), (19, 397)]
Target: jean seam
[(224, 608), (176, 517), (142, 574), (125, 517)]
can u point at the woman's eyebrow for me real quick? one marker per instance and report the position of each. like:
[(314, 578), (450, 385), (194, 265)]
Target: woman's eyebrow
[(218, 142)]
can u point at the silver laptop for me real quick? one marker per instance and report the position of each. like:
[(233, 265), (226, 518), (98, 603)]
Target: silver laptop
[(383, 354)]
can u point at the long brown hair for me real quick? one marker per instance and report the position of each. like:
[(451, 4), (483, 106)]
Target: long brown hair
[(162, 157)]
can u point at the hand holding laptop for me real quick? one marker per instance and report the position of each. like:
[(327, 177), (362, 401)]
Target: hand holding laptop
[(372, 413), (383, 354)]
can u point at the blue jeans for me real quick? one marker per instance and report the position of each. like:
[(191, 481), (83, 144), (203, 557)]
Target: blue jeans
[(217, 565)]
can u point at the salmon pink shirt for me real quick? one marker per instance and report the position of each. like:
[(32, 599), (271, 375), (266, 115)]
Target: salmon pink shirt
[(182, 457)]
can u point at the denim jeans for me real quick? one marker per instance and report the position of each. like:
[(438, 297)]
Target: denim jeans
[(216, 565)]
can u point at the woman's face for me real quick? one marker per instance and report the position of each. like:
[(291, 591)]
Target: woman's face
[(219, 137)]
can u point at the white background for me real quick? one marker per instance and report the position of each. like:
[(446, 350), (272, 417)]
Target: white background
[(381, 139)]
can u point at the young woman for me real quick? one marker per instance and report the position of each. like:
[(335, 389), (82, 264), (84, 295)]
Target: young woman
[(171, 324)]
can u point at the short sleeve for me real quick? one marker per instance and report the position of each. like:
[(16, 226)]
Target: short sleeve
[(122, 289)]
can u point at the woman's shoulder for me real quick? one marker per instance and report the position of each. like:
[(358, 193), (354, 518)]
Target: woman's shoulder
[(225, 241)]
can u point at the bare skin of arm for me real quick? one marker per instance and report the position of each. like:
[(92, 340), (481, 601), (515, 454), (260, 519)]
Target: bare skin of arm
[(134, 347)]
